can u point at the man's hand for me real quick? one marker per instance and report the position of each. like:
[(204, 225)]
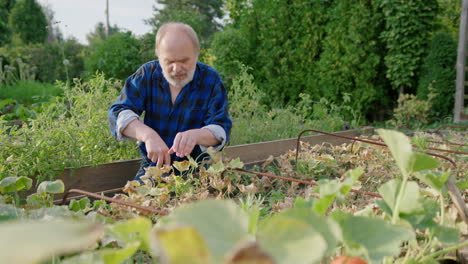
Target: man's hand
[(184, 142), (157, 151)]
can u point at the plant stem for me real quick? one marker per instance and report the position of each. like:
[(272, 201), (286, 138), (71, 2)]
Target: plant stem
[(442, 209), (396, 210), (447, 250)]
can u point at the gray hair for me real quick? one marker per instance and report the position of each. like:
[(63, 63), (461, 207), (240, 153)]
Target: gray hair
[(188, 30)]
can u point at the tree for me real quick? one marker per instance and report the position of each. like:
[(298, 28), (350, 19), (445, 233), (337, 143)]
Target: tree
[(116, 56), (99, 33), (201, 15), (408, 25), (7, 5), (28, 22), (4, 29)]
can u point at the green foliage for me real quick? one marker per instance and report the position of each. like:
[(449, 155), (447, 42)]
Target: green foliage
[(99, 33), (28, 22), (286, 37), (376, 237), (7, 5), (254, 122), (411, 112), (350, 55), (438, 73), (201, 15), (408, 25), (44, 239), (5, 30), (28, 92), (449, 16), (51, 61), (116, 57), (147, 47), (69, 132), (231, 50)]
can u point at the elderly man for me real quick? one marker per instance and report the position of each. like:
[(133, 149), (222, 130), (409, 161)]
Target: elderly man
[(184, 101)]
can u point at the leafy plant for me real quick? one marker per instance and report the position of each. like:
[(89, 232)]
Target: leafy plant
[(115, 56), (37, 149), (438, 75), (406, 42), (411, 112)]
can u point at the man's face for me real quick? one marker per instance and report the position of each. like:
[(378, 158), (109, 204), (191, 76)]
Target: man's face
[(178, 58)]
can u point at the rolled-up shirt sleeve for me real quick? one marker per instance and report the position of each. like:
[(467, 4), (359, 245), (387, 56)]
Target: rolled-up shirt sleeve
[(220, 135), (217, 119), (124, 118), (129, 105)]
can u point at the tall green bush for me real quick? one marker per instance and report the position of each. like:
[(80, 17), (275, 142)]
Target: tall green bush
[(286, 37), (438, 74), (28, 22), (116, 56), (350, 58), (231, 49), (408, 25), (52, 61)]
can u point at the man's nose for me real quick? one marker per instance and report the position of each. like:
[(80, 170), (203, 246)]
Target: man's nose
[(176, 68)]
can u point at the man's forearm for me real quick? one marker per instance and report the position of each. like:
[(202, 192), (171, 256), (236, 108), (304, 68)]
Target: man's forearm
[(139, 131), (206, 138)]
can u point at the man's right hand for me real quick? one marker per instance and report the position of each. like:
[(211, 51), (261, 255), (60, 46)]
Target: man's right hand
[(157, 151)]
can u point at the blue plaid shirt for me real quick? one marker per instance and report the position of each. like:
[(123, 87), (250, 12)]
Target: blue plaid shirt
[(201, 102)]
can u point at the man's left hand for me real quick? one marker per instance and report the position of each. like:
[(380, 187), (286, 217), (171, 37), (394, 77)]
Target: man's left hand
[(184, 142)]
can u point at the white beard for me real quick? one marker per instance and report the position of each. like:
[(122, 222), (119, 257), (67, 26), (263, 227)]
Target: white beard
[(176, 82)]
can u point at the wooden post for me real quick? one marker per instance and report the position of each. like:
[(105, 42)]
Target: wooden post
[(461, 59), (107, 19)]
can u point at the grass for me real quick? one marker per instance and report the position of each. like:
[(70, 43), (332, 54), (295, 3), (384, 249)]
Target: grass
[(28, 92)]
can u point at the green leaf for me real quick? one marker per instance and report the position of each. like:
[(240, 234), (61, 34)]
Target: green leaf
[(33, 242), (235, 163), (329, 190), (462, 185), (424, 219), (182, 165), (15, 184), (424, 162), (83, 204), (180, 245), (446, 235), (216, 168), (410, 201), (105, 256), (435, 179), (221, 223), (56, 186), (377, 236), (400, 147), (292, 237), (132, 230)]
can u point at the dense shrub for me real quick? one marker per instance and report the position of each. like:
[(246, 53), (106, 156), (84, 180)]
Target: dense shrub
[(408, 25), (116, 56), (438, 73), (28, 22), (27, 91), (230, 49), (71, 131), (255, 122), (350, 58), (52, 61)]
